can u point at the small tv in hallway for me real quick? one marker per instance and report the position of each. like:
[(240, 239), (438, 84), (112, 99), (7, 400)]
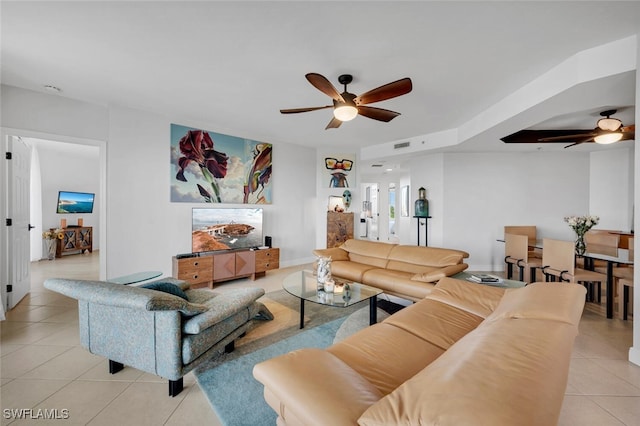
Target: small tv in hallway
[(75, 202)]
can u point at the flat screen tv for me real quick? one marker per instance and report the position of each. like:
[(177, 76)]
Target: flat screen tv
[(225, 229), (75, 202)]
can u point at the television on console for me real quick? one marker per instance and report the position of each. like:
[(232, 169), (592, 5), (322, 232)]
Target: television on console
[(75, 202), (225, 229)]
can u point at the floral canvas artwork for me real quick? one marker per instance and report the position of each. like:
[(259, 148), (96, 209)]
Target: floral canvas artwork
[(209, 167)]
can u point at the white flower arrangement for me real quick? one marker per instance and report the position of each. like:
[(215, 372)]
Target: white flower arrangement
[(582, 224)]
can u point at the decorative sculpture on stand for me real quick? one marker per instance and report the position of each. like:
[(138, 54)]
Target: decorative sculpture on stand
[(422, 204)]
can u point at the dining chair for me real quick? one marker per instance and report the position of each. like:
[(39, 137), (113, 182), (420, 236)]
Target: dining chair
[(530, 231), (516, 248), (559, 263), (624, 277), (602, 242)]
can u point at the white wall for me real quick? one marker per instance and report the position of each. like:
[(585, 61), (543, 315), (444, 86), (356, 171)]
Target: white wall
[(145, 229), (35, 207), (72, 168), (428, 172), (611, 188)]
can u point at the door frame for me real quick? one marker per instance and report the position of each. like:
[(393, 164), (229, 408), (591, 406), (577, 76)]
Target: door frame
[(102, 159)]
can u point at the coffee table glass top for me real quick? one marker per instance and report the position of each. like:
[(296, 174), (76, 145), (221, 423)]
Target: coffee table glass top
[(135, 278), (303, 284)]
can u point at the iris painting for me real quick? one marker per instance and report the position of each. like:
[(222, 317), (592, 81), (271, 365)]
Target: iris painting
[(209, 167)]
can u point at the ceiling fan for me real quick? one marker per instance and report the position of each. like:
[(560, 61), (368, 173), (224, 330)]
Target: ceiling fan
[(608, 130), (346, 106)]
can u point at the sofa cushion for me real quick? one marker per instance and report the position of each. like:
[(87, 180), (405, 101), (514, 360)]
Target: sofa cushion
[(478, 299), (435, 322), (166, 288), (397, 283), (415, 259), (518, 367), (549, 301), (349, 270), (385, 345), (221, 307), (372, 253)]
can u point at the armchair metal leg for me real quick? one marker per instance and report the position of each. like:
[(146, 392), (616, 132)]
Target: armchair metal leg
[(175, 387), (115, 366)]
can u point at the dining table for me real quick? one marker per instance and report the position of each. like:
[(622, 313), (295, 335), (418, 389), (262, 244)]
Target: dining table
[(613, 256)]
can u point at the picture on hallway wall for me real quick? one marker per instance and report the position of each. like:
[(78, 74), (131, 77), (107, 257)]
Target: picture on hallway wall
[(209, 167), (338, 167)]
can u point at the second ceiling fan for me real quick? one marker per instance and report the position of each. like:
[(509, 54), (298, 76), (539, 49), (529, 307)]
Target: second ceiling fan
[(608, 130), (346, 106)]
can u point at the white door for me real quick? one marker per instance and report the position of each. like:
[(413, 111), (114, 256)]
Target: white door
[(19, 259)]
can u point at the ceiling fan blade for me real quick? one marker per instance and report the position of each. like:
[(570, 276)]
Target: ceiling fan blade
[(628, 132), (588, 139), (333, 124), (322, 84), (297, 110), (388, 91), (561, 138), (377, 113)]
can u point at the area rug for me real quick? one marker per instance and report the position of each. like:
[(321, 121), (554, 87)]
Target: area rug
[(227, 381)]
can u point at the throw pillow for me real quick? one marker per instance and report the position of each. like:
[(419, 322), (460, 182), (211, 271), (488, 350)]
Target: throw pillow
[(166, 288)]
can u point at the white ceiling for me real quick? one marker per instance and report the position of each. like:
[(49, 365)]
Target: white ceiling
[(233, 65)]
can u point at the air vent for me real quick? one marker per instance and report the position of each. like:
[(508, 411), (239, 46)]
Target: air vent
[(401, 145)]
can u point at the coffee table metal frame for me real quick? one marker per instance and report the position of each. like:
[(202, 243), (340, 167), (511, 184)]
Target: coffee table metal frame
[(303, 285)]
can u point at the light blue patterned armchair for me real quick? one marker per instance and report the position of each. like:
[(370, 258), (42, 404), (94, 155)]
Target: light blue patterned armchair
[(159, 332)]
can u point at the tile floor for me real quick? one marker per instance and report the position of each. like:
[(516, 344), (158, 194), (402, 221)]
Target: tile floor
[(42, 366)]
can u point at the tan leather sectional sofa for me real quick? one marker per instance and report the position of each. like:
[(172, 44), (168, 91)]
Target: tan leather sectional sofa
[(468, 354), (405, 271)]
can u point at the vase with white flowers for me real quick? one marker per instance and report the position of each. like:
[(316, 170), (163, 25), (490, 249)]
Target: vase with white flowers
[(580, 225)]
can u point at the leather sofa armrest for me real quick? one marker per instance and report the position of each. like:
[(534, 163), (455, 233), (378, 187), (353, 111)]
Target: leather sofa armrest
[(314, 385), (438, 274), (335, 253)]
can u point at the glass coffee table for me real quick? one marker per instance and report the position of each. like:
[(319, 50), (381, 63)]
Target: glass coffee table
[(135, 278), (303, 285)]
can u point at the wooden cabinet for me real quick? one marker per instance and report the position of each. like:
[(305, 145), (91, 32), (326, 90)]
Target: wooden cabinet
[(266, 260), (228, 266), (205, 270), (339, 228), (197, 271), (76, 240)]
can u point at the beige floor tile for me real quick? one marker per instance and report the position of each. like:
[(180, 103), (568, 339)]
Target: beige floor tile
[(83, 399), (23, 393), (621, 368), (27, 358), (101, 372), (38, 313), (6, 349), (68, 365), (30, 334), (194, 410), (624, 408), (582, 411), (67, 335), (142, 403), (589, 378), (9, 326)]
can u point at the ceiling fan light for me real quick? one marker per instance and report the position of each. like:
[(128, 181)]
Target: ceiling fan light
[(345, 112), (607, 138), (611, 124)]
